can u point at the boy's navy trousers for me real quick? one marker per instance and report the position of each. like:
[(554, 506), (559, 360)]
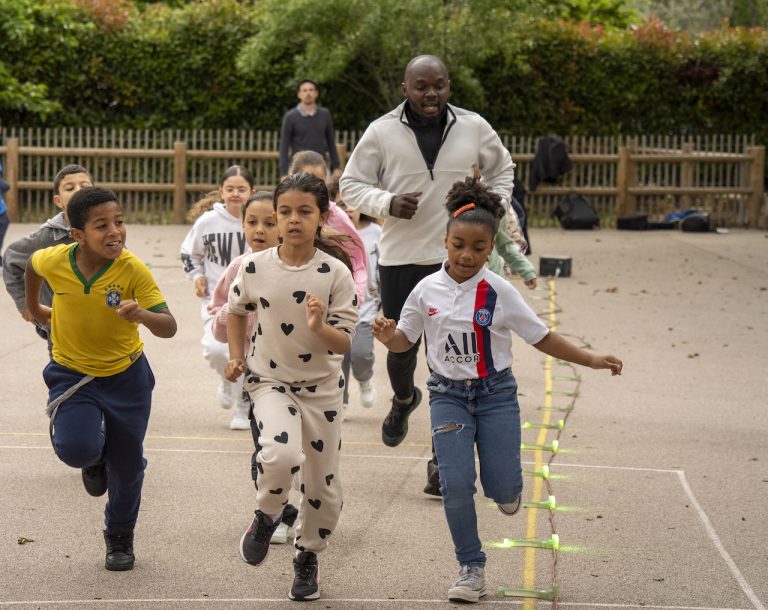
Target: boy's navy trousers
[(123, 403)]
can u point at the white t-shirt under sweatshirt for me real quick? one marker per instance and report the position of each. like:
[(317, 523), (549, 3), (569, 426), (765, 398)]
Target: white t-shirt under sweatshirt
[(468, 325)]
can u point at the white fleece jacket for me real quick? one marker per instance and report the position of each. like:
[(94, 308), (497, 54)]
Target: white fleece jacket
[(387, 162)]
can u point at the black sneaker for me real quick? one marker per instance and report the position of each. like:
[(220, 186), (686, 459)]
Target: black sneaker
[(254, 545), (306, 577), (433, 479), (95, 479), (119, 550), (395, 425)]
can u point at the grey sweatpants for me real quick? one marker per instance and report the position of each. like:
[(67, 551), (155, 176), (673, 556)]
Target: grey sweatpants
[(300, 428), (360, 356)]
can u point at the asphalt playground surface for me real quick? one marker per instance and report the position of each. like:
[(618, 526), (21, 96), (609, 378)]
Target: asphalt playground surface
[(661, 480)]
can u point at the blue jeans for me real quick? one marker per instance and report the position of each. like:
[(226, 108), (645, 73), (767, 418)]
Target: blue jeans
[(464, 413)]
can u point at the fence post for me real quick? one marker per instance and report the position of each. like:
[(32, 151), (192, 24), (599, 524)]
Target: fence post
[(179, 182), (756, 175), (11, 170), (341, 150), (686, 176), (624, 201)]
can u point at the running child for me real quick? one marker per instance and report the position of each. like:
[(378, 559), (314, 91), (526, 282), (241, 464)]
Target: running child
[(313, 163), (212, 243), (99, 381), (306, 309), (54, 231), (467, 313), (260, 229), (360, 357)]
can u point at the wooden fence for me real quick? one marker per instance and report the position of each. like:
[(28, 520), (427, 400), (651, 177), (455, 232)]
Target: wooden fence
[(620, 176)]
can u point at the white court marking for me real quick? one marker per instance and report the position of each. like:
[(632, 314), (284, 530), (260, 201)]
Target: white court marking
[(711, 532)]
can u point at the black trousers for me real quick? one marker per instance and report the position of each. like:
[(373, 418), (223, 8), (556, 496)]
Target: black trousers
[(396, 283)]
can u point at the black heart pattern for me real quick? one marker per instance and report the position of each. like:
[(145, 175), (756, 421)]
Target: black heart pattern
[(311, 388), (305, 357), (341, 382), (280, 389), (295, 389), (324, 532), (299, 295), (259, 467), (236, 290), (339, 444), (333, 322), (282, 437), (258, 329), (354, 301), (261, 425), (295, 469), (253, 379), (315, 503), (301, 489), (287, 328), (272, 364), (264, 302), (318, 445), (324, 268), (292, 410), (299, 547), (250, 307), (250, 268), (328, 479), (277, 491), (329, 415)]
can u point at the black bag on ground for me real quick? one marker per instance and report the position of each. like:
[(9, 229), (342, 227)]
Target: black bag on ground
[(575, 212), (638, 222), (696, 223)]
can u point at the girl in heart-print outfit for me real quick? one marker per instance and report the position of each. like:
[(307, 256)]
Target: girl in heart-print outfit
[(304, 298)]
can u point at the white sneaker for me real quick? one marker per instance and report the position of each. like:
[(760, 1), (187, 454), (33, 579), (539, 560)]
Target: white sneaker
[(470, 586), (225, 394), (367, 394), (281, 535), (240, 417), (510, 508)]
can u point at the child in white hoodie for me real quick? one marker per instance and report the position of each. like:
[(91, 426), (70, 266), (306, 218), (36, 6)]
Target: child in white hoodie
[(213, 242)]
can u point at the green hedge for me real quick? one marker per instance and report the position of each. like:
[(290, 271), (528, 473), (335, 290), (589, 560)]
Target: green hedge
[(176, 67)]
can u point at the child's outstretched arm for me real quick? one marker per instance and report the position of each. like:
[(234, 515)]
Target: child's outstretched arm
[(558, 347), (236, 326), (384, 329), (32, 285)]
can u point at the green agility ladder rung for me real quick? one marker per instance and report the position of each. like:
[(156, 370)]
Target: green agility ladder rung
[(552, 543), (542, 474), (557, 409), (553, 446), (548, 504), (548, 594), (558, 425)]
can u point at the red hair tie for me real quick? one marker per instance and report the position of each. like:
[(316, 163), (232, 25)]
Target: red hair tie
[(464, 208)]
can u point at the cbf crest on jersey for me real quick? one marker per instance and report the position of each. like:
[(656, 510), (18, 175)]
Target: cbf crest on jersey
[(114, 295)]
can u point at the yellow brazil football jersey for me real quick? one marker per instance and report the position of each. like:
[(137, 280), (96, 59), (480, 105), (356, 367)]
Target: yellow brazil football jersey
[(87, 334)]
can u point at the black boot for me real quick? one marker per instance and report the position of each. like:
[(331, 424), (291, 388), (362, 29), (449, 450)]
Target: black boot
[(433, 479), (119, 549)]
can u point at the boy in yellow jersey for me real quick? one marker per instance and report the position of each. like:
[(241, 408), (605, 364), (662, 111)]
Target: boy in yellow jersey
[(100, 383)]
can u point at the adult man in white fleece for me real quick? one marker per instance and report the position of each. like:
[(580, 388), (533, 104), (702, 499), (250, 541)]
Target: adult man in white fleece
[(401, 171)]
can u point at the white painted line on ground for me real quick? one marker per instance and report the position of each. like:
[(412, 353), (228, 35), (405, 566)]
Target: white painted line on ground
[(251, 600), (257, 600), (643, 606), (719, 545)]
